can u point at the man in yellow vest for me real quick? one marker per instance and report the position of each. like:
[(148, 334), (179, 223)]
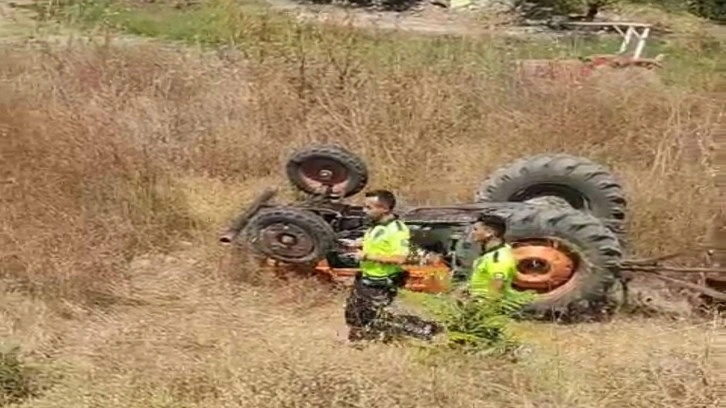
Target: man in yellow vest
[(384, 249), (494, 271)]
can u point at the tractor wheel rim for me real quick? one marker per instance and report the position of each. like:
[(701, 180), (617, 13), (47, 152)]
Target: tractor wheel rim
[(319, 173), (287, 240), (543, 265)]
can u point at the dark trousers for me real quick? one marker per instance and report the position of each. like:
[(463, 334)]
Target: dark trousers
[(365, 305), (367, 318)]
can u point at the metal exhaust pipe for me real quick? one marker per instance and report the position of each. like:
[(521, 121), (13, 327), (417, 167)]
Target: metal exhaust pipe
[(243, 218)]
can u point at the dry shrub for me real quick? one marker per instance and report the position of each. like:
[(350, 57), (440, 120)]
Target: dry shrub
[(300, 288), (82, 191)]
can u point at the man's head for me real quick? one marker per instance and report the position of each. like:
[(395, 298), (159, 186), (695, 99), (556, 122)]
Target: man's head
[(488, 227), (379, 204)]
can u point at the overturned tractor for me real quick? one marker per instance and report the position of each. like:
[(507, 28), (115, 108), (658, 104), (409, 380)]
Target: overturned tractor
[(566, 218)]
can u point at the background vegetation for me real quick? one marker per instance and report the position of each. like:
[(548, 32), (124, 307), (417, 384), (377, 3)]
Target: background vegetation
[(710, 9), (122, 157)]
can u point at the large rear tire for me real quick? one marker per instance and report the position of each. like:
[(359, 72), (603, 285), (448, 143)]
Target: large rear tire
[(581, 183), (327, 170), (290, 235), (582, 254)]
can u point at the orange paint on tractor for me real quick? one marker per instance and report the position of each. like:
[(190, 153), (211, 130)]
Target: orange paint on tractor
[(432, 278), (542, 266)]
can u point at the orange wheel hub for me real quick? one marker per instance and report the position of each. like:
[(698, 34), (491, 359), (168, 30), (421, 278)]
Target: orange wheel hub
[(543, 265)]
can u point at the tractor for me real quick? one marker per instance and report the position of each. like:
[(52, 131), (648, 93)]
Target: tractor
[(565, 215)]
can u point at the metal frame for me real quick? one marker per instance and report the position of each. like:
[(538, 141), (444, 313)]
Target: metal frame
[(640, 31), (434, 278)]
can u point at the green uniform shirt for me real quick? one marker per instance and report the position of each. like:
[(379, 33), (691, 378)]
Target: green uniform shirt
[(496, 263), (387, 239)]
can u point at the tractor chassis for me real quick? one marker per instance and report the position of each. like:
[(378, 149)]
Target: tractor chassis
[(436, 275)]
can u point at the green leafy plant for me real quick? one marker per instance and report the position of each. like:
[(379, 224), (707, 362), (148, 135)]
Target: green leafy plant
[(480, 325)]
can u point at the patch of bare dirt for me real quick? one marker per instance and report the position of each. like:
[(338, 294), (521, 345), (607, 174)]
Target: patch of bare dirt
[(424, 19)]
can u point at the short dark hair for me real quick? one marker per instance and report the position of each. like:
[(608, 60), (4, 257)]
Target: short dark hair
[(383, 196), (495, 222)]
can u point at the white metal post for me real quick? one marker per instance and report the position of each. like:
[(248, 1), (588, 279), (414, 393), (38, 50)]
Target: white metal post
[(641, 42), (626, 41)]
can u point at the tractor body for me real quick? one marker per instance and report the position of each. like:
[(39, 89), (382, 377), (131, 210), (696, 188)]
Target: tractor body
[(565, 221)]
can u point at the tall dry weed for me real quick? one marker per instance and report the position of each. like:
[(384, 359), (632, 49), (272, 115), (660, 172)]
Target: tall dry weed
[(81, 193)]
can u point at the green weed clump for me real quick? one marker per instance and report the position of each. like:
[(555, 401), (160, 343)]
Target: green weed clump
[(18, 380), (481, 326)]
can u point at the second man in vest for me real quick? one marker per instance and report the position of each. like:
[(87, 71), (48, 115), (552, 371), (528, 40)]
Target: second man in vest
[(494, 271)]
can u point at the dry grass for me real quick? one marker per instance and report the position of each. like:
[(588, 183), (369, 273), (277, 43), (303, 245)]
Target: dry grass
[(196, 342), (112, 152)]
